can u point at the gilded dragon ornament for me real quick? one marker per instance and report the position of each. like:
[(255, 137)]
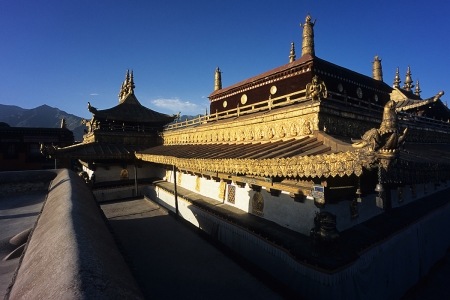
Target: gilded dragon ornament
[(386, 140)]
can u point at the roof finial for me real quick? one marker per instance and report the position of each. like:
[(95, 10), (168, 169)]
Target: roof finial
[(127, 86), (377, 71), (218, 79), (131, 85), (417, 91), (292, 53), (63, 123), (308, 36), (408, 81), (397, 79)]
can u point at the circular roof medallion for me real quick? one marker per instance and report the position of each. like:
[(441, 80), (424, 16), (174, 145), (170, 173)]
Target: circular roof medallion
[(359, 92), (273, 89), (375, 97), (340, 88), (225, 103), (244, 99)]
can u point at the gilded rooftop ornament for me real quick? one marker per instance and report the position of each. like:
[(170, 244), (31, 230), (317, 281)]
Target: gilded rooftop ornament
[(127, 87), (377, 72), (417, 90), (308, 36), (316, 89), (386, 140), (218, 79), (397, 80), (408, 81), (292, 53)]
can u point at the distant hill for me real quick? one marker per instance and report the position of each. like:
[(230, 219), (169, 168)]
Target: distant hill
[(41, 116), (50, 117)]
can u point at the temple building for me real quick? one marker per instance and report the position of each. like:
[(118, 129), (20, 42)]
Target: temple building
[(113, 136), (316, 173)]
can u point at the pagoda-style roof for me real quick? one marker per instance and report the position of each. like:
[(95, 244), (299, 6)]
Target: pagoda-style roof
[(130, 110)]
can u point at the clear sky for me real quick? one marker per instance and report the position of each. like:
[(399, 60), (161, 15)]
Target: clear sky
[(64, 53)]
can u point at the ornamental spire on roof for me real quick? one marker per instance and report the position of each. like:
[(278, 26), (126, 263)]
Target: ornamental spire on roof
[(397, 79), (408, 81), (127, 87), (377, 72), (308, 36), (417, 91), (292, 53), (217, 80)]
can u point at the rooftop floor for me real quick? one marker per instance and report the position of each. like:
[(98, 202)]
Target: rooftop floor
[(173, 261)]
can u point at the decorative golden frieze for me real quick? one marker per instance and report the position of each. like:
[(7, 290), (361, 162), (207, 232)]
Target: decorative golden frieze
[(326, 165), (292, 123)]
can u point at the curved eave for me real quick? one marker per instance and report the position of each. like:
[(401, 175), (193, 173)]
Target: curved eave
[(325, 165)]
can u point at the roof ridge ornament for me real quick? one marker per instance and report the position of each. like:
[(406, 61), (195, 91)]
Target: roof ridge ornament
[(308, 36), (408, 81), (292, 53), (418, 90), (397, 80), (377, 71), (127, 87)]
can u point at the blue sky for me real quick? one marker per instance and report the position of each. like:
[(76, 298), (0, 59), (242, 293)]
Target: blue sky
[(66, 53)]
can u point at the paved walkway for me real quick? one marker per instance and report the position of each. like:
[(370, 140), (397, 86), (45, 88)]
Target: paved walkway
[(17, 213), (173, 261)]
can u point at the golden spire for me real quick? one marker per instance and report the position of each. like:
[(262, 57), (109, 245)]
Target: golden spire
[(292, 53), (397, 79), (218, 80), (408, 81), (308, 36), (131, 85), (127, 86), (417, 91), (377, 72)]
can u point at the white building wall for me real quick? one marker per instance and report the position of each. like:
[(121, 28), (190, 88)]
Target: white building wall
[(242, 197), (283, 210)]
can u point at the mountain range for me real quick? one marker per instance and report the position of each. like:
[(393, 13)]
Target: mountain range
[(46, 116), (41, 116)]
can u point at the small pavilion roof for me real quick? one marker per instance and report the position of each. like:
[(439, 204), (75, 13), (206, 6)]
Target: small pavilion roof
[(131, 110)]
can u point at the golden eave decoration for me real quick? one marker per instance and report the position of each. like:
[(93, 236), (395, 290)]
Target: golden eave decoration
[(326, 165)]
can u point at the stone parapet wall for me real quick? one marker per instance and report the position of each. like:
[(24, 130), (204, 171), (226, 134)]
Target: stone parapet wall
[(71, 254)]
